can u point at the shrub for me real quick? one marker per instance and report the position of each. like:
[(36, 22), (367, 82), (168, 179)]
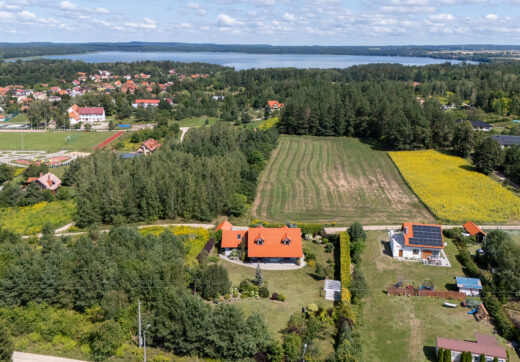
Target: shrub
[(281, 297), (274, 296), (356, 232), (311, 263), (313, 308), (263, 292), (307, 228), (440, 355), (6, 344), (104, 339), (452, 233), (329, 248), (504, 325), (344, 249), (244, 285), (447, 355), (320, 271), (309, 255), (227, 296)]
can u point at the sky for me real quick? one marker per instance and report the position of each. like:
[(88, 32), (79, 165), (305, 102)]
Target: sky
[(276, 22)]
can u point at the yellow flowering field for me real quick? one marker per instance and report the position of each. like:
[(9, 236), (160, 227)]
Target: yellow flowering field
[(29, 220), (195, 242), (453, 191)]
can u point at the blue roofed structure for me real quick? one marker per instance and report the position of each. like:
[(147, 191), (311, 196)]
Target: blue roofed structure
[(469, 286)]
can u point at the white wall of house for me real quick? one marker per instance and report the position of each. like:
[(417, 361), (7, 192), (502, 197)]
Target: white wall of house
[(456, 357), (228, 251), (408, 252), (470, 291)]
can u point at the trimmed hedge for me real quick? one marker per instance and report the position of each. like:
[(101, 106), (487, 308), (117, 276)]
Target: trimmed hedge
[(504, 325), (344, 257)]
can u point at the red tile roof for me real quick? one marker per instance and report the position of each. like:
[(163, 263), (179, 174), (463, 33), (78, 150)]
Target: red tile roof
[(147, 101), (408, 234), (232, 238), (473, 229), (224, 225), (486, 345), (91, 110), (273, 245), (151, 144), (275, 104)]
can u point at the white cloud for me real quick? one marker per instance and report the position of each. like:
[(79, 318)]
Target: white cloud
[(492, 17), (191, 5), (67, 5), (442, 17), (27, 15), (102, 11), (224, 20), (265, 2), (289, 17), (147, 24)]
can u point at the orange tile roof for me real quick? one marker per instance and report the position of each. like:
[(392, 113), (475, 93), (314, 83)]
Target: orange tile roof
[(224, 225), (273, 246), (473, 229), (408, 234), (232, 238), (151, 144)]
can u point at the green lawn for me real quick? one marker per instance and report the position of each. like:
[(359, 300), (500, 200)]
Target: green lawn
[(404, 328), (332, 179), (299, 286), (196, 121), (52, 141), (19, 118)]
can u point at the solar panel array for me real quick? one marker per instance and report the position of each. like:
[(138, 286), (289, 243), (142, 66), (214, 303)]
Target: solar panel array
[(426, 235)]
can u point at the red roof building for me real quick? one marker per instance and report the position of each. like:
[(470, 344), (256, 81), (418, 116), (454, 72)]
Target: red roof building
[(275, 105), (232, 238), (474, 230), (486, 345), (149, 146), (224, 225), (145, 103)]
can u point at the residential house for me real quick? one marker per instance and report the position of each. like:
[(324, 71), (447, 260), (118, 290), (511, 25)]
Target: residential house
[(478, 125), (506, 141), (469, 286), (149, 146), (486, 345), (145, 103), (224, 225), (275, 105), (417, 241), (264, 245), (474, 230), (49, 181), (86, 114)]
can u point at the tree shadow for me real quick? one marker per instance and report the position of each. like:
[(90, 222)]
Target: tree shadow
[(315, 276), (468, 168), (429, 353)]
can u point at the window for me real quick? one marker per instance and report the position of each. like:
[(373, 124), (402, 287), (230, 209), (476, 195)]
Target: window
[(238, 236), (415, 251), (286, 241)]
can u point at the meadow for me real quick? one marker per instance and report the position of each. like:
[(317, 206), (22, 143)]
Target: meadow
[(52, 141), (454, 191), (326, 179), (404, 328), (29, 220)]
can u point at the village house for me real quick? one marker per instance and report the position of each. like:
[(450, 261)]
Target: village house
[(49, 181), (264, 245), (417, 241), (86, 114), (469, 286), (473, 230), (506, 141), (478, 125), (274, 105), (486, 345), (145, 103), (149, 146)]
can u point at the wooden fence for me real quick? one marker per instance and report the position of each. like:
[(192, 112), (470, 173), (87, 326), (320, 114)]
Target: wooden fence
[(426, 293)]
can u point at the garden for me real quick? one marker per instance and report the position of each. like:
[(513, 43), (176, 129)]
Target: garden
[(454, 191)]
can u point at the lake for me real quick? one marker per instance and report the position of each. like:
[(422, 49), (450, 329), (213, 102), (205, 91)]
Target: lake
[(247, 61)]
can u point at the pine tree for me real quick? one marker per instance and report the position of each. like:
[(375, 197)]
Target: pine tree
[(440, 355), (447, 355), (482, 358), (259, 277), (6, 345)]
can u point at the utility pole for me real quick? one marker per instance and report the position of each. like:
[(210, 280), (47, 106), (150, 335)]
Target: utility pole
[(139, 332), (144, 340)]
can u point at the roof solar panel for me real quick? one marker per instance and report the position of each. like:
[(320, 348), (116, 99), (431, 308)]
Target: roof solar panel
[(426, 235)]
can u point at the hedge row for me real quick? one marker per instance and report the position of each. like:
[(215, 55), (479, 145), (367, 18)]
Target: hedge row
[(344, 257)]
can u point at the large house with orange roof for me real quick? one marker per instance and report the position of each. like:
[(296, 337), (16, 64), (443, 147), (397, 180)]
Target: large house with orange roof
[(86, 114), (417, 241), (145, 103), (263, 244), (275, 105)]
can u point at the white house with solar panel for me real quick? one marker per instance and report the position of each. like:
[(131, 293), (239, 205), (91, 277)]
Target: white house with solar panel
[(419, 242)]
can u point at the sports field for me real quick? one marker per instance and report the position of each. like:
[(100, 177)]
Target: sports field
[(52, 141), (325, 179), (454, 191)]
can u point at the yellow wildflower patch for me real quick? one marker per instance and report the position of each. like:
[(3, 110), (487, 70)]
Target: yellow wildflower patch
[(195, 242), (453, 191)]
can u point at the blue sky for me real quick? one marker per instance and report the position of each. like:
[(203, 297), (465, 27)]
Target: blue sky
[(277, 22)]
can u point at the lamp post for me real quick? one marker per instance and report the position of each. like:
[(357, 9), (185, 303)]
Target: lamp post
[(144, 340)]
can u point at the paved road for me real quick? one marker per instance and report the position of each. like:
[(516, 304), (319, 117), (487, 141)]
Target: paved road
[(30, 357)]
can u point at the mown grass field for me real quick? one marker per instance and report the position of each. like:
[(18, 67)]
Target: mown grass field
[(404, 328), (326, 179), (52, 141), (299, 286), (30, 219), (454, 191)]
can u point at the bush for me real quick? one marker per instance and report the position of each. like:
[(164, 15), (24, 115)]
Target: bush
[(309, 255), (104, 339), (274, 296), (447, 355), (452, 233), (344, 249), (504, 325), (263, 292), (329, 248), (356, 232), (440, 355), (281, 297), (6, 344), (313, 229)]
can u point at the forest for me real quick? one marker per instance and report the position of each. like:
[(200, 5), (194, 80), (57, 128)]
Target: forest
[(213, 172)]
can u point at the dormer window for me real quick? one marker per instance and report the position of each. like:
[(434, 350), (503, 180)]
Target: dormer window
[(286, 241), (259, 241)]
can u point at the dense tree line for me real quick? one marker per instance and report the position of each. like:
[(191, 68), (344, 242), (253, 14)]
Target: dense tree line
[(213, 172)]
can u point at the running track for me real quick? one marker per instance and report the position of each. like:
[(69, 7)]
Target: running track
[(109, 139)]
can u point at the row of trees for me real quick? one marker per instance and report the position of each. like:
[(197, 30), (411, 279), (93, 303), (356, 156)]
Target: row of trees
[(213, 172)]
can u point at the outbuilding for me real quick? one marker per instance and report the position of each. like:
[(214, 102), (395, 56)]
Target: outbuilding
[(475, 231), (469, 286)]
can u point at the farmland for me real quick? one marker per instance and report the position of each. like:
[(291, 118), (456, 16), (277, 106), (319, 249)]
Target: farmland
[(52, 141), (454, 191), (333, 180), (404, 328)]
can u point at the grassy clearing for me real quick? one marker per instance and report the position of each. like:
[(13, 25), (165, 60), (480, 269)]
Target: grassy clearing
[(30, 219), (326, 179), (454, 191), (52, 141), (19, 118), (404, 328), (299, 286), (196, 121)]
